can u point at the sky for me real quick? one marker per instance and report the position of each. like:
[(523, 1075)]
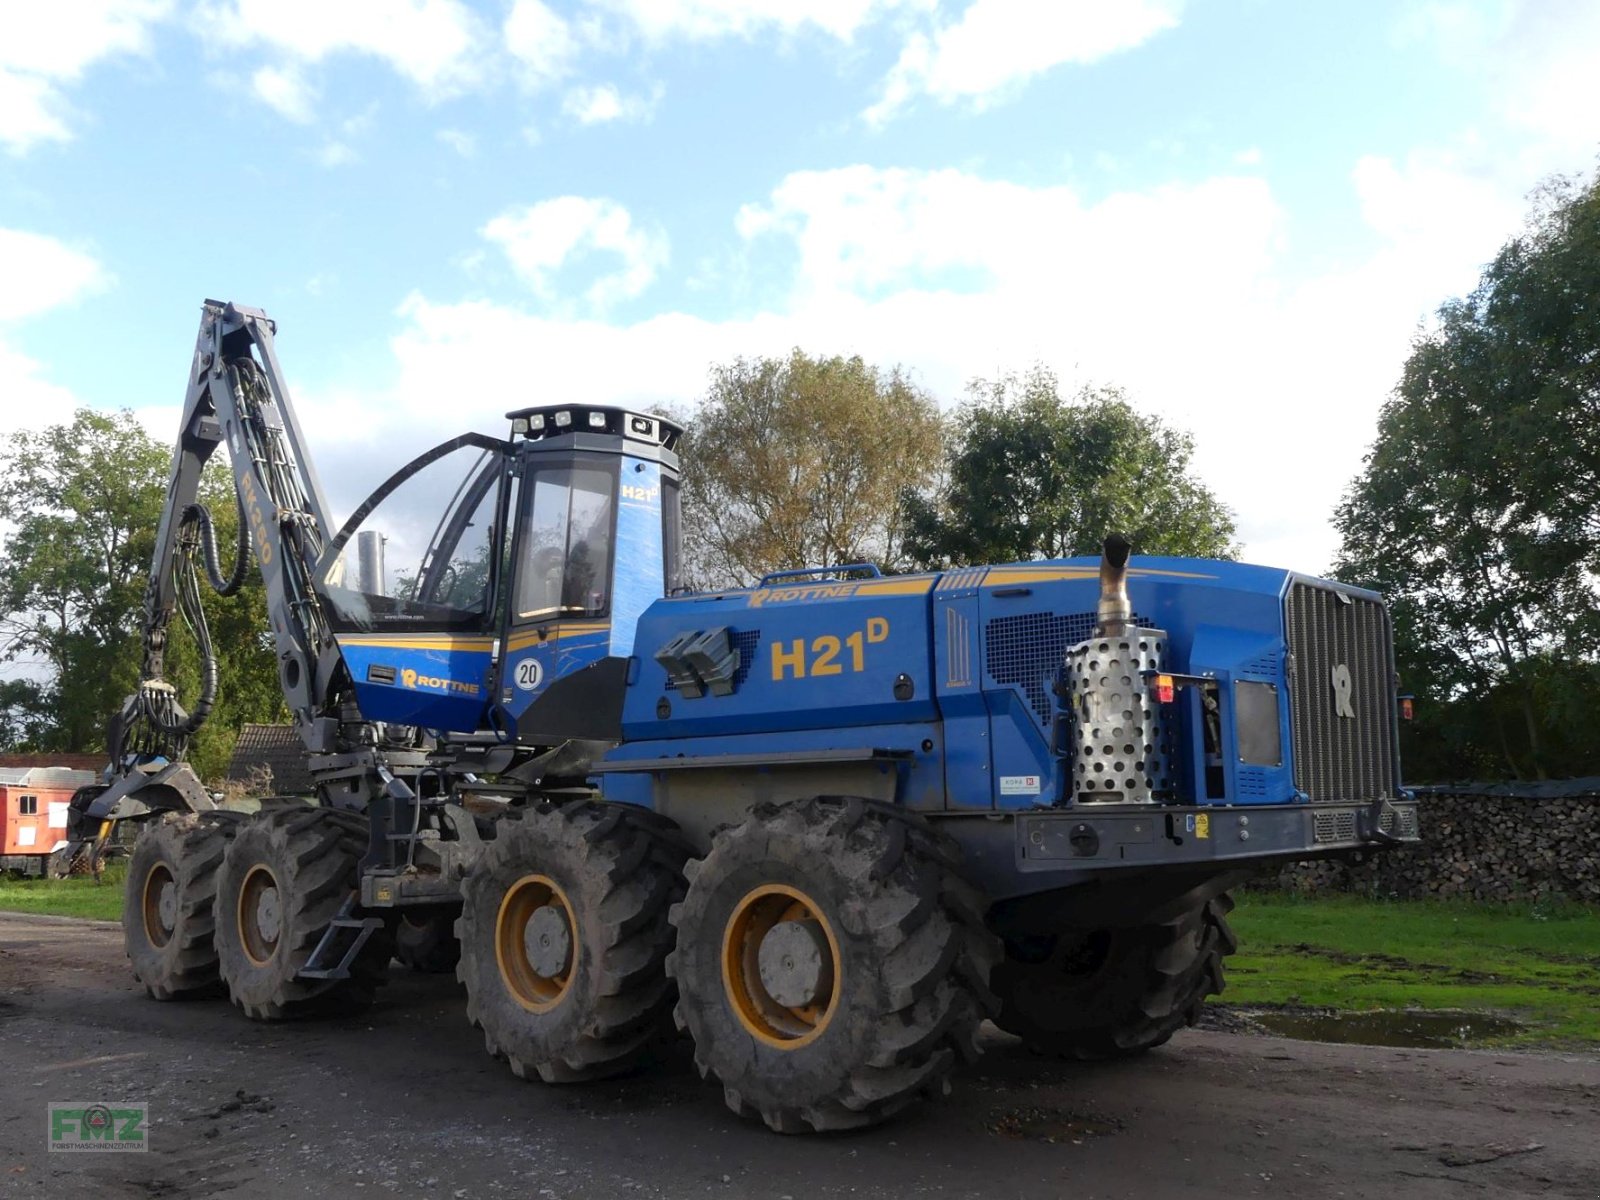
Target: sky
[(1239, 211)]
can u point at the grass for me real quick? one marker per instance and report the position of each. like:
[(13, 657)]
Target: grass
[(1540, 964), (98, 898)]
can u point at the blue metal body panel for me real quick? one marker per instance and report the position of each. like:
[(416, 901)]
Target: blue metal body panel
[(812, 656), (438, 681), (977, 654), (538, 655), (639, 535)]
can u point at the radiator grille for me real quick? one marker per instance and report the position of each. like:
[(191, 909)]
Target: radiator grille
[(1333, 636)]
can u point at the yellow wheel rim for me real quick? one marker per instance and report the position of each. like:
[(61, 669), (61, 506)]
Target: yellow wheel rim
[(158, 903), (536, 942), (260, 915), (762, 912)]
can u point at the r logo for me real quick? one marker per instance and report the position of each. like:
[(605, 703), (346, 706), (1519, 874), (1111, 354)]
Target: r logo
[(1341, 692)]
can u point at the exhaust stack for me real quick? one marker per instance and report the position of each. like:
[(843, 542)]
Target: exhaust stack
[(1116, 610), (1121, 741)]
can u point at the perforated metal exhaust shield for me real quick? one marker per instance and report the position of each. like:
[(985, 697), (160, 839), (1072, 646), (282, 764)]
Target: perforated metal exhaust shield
[(1123, 755)]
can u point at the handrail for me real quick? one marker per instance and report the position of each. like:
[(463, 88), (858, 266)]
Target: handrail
[(872, 570)]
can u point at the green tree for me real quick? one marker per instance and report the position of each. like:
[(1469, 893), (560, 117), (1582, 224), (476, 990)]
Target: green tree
[(800, 461), (1032, 475), (83, 500), (1477, 510)]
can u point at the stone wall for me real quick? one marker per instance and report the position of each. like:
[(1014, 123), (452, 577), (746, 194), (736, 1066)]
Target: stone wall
[(1490, 842)]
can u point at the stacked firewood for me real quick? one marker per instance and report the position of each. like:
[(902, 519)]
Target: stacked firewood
[(1488, 842)]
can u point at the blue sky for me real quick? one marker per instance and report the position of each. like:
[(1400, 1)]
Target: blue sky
[(1237, 210)]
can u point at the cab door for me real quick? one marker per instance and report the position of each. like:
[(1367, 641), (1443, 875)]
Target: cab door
[(560, 597), (412, 582)]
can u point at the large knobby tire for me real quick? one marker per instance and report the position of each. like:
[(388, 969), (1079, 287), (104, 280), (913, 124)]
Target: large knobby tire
[(564, 937), (1115, 992), (426, 941), (832, 964), (285, 876), (168, 909)]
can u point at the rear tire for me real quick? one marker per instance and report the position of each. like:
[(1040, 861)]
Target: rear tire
[(833, 965), (168, 909), (1113, 993), (285, 877), (564, 935)]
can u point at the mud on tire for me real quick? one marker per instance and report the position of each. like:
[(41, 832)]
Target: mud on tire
[(310, 859), (908, 990), (1111, 993), (605, 873), (168, 909)]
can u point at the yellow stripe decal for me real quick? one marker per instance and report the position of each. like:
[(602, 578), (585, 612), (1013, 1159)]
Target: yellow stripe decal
[(522, 641), (896, 587), (484, 644)]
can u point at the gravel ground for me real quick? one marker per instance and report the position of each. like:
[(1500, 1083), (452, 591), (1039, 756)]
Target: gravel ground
[(403, 1101)]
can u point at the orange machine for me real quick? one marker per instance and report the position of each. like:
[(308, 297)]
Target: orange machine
[(33, 814)]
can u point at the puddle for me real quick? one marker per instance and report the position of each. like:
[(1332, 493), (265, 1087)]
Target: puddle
[(1432, 1029), (1035, 1124)]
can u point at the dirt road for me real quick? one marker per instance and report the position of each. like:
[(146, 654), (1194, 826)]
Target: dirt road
[(404, 1102)]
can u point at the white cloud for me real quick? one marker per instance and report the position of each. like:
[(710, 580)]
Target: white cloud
[(433, 43), (540, 239), (705, 20), (286, 90), (46, 47), (997, 45), (38, 273), (1537, 61), (336, 154), (603, 103), (461, 142), (541, 41)]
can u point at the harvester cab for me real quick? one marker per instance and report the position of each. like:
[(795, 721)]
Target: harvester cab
[(493, 586)]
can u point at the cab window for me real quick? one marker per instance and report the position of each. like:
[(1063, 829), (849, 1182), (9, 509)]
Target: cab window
[(424, 554), (564, 566)]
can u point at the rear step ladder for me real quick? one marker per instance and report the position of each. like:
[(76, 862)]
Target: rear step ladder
[(341, 942)]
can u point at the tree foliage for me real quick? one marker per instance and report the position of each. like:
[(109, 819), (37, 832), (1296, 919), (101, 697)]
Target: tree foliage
[(1478, 508), (1030, 474), (800, 461), (82, 500)]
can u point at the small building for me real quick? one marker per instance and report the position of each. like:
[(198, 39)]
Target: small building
[(33, 814)]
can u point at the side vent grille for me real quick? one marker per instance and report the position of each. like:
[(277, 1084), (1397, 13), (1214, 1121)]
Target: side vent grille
[(1029, 651), (744, 644)]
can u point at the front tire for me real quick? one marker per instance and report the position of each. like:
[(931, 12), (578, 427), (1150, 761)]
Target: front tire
[(285, 877), (1113, 993), (564, 936), (832, 964), (168, 908)]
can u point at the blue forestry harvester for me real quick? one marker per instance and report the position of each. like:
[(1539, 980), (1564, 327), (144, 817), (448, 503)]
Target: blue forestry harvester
[(824, 825)]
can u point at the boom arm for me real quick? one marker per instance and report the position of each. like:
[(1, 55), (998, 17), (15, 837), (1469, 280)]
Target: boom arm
[(236, 394)]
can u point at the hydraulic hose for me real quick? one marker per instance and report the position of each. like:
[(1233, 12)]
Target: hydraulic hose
[(197, 535), (200, 516)]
